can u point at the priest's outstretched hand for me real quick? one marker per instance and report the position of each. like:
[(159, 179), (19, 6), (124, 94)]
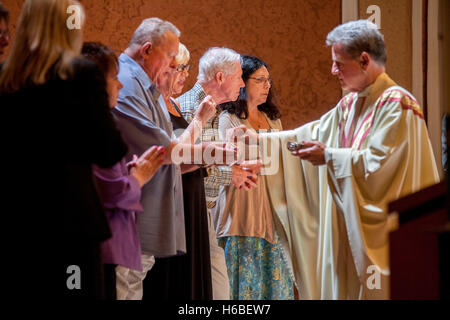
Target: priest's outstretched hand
[(313, 151)]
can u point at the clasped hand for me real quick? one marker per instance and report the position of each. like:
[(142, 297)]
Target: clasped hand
[(245, 175)]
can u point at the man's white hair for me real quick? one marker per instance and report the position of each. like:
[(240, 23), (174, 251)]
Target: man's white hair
[(216, 60), (153, 30)]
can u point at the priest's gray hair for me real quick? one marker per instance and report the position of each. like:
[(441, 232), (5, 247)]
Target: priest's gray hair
[(216, 60), (357, 37), (153, 30)]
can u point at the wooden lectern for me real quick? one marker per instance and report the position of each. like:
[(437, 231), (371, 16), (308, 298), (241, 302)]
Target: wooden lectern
[(419, 248)]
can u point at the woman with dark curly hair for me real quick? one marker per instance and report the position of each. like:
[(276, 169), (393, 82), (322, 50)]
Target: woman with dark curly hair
[(257, 101), (256, 263)]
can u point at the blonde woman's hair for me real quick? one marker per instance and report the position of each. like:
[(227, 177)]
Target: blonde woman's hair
[(44, 46), (183, 55)]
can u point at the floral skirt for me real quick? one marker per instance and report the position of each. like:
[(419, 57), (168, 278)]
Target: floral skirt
[(256, 269)]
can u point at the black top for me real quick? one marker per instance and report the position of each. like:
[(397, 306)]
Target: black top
[(52, 134), (59, 129)]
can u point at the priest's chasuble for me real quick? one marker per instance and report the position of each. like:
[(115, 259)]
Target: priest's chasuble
[(333, 218)]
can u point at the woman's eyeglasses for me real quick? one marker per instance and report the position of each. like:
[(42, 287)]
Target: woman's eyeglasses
[(183, 67), (262, 80)]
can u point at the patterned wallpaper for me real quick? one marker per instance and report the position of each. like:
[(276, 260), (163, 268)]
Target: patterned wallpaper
[(288, 34)]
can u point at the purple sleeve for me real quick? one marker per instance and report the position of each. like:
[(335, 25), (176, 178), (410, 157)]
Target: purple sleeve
[(117, 189)]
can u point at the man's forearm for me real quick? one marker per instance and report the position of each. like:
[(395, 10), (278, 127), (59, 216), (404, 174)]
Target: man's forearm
[(192, 132)]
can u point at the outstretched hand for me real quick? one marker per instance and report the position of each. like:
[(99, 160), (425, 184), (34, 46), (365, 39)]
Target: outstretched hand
[(242, 133), (219, 153), (253, 165), (314, 152)]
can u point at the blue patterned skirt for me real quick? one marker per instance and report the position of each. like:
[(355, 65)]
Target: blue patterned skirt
[(256, 269)]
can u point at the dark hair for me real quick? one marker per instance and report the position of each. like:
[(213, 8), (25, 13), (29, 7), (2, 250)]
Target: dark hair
[(103, 55), (4, 14), (239, 107)]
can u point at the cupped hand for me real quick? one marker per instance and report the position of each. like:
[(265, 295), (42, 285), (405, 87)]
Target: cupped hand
[(206, 110), (144, 167), (253, 165)]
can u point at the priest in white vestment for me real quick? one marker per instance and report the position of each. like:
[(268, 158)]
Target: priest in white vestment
[(331, 197)]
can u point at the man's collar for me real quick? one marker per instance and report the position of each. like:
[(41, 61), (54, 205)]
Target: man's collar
[(155, 92), (366, 91), (373, 91), (199, 92), (140, 74)]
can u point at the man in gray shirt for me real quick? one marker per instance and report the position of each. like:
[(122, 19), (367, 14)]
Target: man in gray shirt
[(144, 121)]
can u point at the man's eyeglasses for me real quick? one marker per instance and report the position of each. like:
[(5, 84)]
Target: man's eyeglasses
[(262, 80), (183, 67)]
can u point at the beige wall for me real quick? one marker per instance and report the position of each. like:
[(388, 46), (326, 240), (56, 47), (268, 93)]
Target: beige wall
[(396, 28), (288, 34)]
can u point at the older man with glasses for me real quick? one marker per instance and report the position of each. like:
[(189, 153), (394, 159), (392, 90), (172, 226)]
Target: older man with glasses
[(184, 277)]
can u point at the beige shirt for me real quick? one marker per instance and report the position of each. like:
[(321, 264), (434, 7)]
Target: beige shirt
[(240, 212)]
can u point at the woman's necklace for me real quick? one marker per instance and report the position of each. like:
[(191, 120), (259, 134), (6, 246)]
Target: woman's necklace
[(260, 121)]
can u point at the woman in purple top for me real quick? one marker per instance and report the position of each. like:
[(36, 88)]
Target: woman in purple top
[(119, 187)]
